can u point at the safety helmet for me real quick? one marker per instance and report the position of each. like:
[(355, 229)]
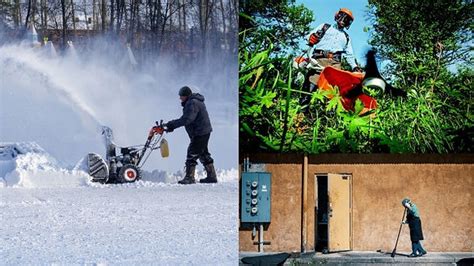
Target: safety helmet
[(344, 16), (185, 91)]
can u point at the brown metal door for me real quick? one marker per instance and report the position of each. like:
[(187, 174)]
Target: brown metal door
[(339, 227)]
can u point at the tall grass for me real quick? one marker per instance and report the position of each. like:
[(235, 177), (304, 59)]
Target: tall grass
[(435, 117)]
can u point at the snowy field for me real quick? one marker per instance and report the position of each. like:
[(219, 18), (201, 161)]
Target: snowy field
[(52, 215)]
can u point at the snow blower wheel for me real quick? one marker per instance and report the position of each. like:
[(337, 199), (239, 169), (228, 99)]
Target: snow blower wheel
[(128, 173), (98, 168)]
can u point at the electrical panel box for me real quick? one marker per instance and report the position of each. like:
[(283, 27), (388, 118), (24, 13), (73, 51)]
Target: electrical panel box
[(255, 197)]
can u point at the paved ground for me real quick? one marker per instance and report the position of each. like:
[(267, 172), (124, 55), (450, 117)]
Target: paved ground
[(376, 258)]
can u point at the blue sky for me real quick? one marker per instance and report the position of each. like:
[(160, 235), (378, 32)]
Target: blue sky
[(324, 10)]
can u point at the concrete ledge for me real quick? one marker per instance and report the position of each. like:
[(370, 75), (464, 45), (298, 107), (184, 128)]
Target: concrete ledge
[(372, 258), (380, 258)]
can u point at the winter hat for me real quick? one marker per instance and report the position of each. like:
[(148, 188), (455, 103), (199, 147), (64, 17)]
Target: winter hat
[(405, 200), (185, 91)]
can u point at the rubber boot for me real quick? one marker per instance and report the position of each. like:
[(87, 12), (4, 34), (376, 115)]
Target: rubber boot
[(189, 177), (211, 176)]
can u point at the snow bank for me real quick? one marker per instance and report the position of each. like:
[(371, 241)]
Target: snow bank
[(28, 165)]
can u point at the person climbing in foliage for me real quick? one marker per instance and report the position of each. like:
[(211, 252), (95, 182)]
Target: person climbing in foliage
[(330, 44)]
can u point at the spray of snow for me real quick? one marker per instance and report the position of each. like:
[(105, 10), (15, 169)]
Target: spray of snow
[(61, 102)]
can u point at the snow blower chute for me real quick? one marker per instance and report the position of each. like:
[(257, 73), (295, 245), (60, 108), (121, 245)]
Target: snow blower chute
[(125, 167)]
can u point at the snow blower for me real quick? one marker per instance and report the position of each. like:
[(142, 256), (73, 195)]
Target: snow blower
[(125, 167)]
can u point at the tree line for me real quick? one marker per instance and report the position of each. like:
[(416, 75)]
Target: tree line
[(200, 27)]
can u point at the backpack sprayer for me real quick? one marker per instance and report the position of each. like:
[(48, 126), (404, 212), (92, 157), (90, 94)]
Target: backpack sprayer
[(126, 166)]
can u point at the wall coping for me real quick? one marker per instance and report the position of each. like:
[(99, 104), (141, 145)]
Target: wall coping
[(348, 158)]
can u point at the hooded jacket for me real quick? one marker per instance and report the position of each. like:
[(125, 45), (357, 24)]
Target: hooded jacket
[(195, 118)]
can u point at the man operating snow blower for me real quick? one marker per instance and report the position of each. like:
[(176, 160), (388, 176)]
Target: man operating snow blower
[(196, 121)]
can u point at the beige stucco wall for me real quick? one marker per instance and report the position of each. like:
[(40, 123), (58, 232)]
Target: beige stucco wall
[(284, 231), (441, 186)]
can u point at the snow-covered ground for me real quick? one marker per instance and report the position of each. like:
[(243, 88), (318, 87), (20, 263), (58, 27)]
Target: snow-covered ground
[(51, 215)]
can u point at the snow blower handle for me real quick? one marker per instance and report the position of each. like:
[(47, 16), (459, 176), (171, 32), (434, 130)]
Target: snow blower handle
[(163, 126), (158, 129)]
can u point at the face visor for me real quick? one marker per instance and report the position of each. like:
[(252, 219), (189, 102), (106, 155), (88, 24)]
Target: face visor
[(344, 19)]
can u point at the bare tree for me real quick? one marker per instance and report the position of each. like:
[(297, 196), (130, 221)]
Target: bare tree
[(112, 15), (188, 29), (205, 12), (64, 20), (44, 14), (120, 14), (84, 11), (103, 14), (73, 13), (28, 12), (16, 13), (223, 20)]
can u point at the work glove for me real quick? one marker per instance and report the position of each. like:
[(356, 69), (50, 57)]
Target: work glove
[(357, 69), (168, 128), (300, 62), (155, 130), (158, 129), (407, 205), (313, 39)]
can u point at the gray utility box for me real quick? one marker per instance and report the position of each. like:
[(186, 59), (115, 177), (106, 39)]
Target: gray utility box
[(256, 197)]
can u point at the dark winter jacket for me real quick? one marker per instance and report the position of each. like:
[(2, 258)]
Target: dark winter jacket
[(414, 222), (195, 117)]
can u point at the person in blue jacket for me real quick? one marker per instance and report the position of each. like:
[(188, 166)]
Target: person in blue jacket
[(196, 121), (330, 44), (414, 223)]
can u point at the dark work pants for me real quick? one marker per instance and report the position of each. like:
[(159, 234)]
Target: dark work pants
[(197, 149)]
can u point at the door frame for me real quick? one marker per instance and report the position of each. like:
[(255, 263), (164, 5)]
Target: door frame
[(351, 205)]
